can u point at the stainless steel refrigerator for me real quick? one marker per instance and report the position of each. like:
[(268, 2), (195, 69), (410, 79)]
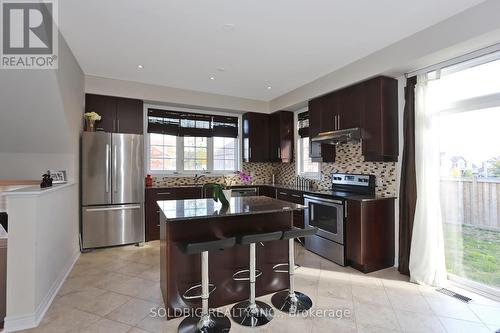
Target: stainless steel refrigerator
[(112, 183)]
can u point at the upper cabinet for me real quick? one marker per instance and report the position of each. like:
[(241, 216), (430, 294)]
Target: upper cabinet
[(370, 105), (268, 138), (281, 137), (321, 119), (379, 122), (255, 137), (118, 115)]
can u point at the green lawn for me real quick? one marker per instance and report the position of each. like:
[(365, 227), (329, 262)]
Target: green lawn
[(473, 253)]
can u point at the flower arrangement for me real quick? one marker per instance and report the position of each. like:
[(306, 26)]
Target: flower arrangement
[(244, 177), (90, 119), (92, 116)]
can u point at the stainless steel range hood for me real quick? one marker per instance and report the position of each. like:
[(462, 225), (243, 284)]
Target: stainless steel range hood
[(339, 137)]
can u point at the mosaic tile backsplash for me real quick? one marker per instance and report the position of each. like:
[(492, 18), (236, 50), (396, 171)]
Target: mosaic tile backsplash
[(348, 160)]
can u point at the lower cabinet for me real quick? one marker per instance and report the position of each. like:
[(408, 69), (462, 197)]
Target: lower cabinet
[(153, 211), (295, 197), (370, 234)]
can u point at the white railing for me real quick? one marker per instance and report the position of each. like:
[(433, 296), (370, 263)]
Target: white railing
[(473, 201)]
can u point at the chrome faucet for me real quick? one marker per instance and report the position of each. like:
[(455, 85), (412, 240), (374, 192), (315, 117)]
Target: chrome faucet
[(197, 178)]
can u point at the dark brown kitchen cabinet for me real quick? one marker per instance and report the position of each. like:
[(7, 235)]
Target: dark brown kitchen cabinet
[(370, 234), (256, 137), (153, 211), (281, 132), (267, 191), (379, 122), (118, 115), (351, 105), (321, 120), (294, 196)]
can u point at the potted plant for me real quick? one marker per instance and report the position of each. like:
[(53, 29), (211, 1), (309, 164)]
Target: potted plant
[(222, 192), (90, 119)]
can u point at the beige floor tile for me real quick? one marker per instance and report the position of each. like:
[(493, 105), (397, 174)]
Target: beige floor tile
[(153, 273), (137, 330), (133, 268), (79, 297), (151, 293), (419, 323), (104, 304), (337, 305), (159, 325), (367, 281), (368, 294), (133, 286), (487, 314), (462, 326), (107, 280), (408, 301), (287, 324), (376, 315), (106, 326), (374, 329), (451, 308), (132, 312), (333, 325), (63, 319), (334, 288)]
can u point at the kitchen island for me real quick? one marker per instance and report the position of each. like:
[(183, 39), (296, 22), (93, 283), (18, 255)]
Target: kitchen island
[(203, 219)]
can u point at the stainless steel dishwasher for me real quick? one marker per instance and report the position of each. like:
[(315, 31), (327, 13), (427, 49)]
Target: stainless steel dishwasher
[(3, 274)]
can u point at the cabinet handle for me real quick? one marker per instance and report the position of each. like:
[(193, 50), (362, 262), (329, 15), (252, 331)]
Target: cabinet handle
[(296, 195), (163, 193), (339, 121), (345, 209), (279, 152), (249, 152), (118, 125), (283, 193)]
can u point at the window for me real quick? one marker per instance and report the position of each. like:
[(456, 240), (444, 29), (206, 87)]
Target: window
[(181, 142), (307, 167), (162, 152), (467, 103), (225, 153), (195, 153)]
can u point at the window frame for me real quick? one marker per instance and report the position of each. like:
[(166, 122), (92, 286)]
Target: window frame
[(180, 147), (299, 166)]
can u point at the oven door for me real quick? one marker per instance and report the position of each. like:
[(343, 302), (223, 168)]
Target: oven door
[(327, 215)]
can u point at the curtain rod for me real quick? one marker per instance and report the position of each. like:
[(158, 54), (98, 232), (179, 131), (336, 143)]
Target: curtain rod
[(457, 60)]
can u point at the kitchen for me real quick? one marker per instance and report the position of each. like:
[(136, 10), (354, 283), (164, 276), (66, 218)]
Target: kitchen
[(211, 200)]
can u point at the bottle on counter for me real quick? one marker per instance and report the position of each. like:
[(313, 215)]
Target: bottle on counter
[(149, 181)]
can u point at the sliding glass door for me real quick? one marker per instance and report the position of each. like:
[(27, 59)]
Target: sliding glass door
[(468, 97)]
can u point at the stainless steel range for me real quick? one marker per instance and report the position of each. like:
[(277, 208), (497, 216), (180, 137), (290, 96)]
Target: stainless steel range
[(328, 212)]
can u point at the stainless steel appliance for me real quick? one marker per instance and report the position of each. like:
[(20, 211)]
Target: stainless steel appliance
[(328, 212), (244, 192), (112, 183)]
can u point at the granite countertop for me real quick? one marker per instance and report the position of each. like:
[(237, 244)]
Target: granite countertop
[(325, 193), (189, 209)]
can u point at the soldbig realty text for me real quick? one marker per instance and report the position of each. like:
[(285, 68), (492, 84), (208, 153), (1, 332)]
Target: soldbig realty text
[(29, 36)]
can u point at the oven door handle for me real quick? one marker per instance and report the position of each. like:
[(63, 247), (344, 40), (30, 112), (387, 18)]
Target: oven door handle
[(319, 200)]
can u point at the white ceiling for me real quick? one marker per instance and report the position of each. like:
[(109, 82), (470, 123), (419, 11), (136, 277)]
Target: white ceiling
[(280, 43)]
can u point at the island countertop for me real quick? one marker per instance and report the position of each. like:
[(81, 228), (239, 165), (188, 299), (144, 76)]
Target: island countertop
[(189, 209)]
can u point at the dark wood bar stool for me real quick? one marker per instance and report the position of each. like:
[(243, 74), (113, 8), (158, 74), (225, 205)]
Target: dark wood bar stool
[(209, 321), (253, 313), (292, 301)]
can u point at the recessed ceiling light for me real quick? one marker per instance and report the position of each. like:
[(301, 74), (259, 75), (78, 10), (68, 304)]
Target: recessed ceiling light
[(212, 78), (140, 66), (221, 69), (229, 26), (269, 87)]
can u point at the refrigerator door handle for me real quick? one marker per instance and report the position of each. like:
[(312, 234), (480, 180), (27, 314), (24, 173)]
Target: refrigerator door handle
[(103, 209), (108, 152), (115, 168)]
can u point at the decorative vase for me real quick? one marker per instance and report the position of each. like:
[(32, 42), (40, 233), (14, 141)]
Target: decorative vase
[(227, 194), (90, 125)]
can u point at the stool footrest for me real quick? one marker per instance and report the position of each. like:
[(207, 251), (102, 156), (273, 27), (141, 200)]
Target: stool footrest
[(237, 277), (187, 296), (277, 268)]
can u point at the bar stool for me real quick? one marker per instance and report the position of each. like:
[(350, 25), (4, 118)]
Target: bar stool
[(253, 313), (209, 321), (292, 301)]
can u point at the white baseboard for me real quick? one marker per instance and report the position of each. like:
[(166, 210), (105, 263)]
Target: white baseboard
[(18, 323)]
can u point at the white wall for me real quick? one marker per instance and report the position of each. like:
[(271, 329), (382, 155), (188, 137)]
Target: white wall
[(42, 248), (172, 96)]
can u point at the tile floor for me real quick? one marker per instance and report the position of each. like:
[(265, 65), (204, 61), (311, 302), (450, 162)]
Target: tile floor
[(113, 290)]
